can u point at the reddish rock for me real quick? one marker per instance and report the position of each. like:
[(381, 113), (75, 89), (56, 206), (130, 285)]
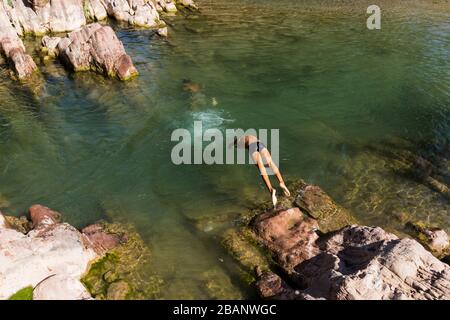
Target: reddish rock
[(22, 63), (360, 263), (42, 215), (12, 46), (270, 286), (100, 240), (124, 67), (95, 47), (288, 234)]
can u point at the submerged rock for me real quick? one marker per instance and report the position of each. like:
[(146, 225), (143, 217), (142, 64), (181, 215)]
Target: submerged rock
[(219, 285), (4, 203), (387, 181), (435, 239), (321, 207), (242, 248), (95, 47)]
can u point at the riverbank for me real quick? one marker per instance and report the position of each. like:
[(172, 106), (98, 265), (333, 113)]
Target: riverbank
[(308, 248)]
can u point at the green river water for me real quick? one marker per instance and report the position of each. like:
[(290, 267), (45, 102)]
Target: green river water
[(345, 99)]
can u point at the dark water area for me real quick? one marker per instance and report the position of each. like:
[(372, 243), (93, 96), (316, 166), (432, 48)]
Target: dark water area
[(354, 108)]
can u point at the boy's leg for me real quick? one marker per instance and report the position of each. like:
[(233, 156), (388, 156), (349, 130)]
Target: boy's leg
[(258, 161), (266, 154)]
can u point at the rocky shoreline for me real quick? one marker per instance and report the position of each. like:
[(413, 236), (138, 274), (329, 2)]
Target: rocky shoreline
[(87, 46), (308, 248), (59, 262), (311, 248)]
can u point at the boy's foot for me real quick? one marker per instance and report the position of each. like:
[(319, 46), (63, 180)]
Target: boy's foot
[(274, 198), (285, 190)]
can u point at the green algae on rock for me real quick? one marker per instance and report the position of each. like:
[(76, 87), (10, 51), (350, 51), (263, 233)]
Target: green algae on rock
[(219, 285), (21, 224), (117, 274), (242, 246), (431, 237), (23, 294), (319, 205)]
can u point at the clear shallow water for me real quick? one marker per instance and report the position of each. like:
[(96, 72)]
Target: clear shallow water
[(96, 148)]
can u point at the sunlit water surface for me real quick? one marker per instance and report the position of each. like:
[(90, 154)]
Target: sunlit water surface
[(95, 148)]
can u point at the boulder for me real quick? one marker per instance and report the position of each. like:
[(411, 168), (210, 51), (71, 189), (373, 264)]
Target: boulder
[(12, 46), (51, 249), (21, 224), (94, 10), (319, 205), (50, 45), (140, 13), (41, 216), (25, 18), (23, 64), (270, 286), (101, 239), (65, 15), (95, 47), (289, 235), (360, 263), (44, 16)]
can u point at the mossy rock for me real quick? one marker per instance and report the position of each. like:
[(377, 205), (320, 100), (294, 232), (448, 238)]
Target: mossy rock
[(219, 286), (121, 273), (318, 204), (241, 244), (21, 224), (421, 231), (313, 201)]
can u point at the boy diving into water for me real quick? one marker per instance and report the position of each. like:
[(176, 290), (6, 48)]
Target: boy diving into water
[(259, 152)]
